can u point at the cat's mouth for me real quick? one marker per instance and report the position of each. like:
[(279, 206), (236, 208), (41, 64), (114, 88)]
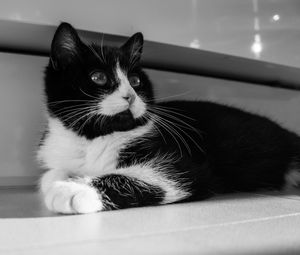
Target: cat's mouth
[(132, 110), (137, 108)]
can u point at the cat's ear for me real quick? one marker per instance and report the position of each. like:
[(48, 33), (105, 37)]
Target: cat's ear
[(65, 46), (134, 45)]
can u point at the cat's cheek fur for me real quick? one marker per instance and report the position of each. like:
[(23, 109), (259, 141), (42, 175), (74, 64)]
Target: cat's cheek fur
[(113, 104), (138, 108)]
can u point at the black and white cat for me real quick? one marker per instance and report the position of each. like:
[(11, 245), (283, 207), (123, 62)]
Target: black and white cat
[(108, 145)]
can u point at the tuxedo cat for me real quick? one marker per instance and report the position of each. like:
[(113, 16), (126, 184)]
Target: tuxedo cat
[(109, 145)]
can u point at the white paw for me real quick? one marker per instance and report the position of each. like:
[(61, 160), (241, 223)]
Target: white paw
[(70, 197)]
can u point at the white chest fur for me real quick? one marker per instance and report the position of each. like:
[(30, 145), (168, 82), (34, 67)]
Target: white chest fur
[(63, 150)]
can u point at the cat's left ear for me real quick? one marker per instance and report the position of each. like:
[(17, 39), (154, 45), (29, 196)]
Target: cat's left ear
[(65, 47), (134, 45)]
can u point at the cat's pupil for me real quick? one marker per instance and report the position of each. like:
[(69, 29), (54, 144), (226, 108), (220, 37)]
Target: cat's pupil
[(99, 78), (134, 81)]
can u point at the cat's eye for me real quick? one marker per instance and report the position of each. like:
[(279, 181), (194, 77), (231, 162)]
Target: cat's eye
[(99, 78), (134, 81)]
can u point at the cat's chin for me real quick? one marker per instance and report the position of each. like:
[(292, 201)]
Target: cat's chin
[(124, 121), (124, 115)]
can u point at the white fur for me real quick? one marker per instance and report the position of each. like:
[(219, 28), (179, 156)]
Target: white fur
[(72, 196), (115, 102)]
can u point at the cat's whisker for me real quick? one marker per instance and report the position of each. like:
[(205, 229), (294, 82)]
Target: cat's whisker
[(167, 128), (103, 121), (169, 110), (101, 48), (70, 108), (73, 115), (174, 125), (66, 101), (181, 122), (172, 96), (91, 96), (173, 128), (96, 54), (99, 121), (148, 117), (74, 123), (75, 112), (89, 117), (185, 133), (184, 124)]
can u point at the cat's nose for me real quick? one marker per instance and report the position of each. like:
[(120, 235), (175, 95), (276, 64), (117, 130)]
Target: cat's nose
[(129, 98)]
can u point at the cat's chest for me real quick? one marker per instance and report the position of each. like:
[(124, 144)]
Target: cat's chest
[(101, 154), (65, 150)]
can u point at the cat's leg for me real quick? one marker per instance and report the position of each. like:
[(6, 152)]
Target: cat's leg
[(119, 191), (130, 187), (140, 186), (69, 195)]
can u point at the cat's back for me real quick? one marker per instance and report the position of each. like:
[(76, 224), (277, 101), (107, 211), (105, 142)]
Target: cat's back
[(229, 130), (210, 116), (245, 150)]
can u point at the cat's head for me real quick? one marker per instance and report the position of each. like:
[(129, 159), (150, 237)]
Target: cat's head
[(95, 89)]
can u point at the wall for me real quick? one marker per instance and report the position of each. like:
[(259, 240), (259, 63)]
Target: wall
[(21, 116)]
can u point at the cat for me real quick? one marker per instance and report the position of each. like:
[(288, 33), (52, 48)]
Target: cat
[(108, 145)]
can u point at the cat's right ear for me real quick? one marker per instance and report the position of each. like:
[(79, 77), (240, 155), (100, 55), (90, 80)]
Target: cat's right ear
[(65, 46), (134, 45)]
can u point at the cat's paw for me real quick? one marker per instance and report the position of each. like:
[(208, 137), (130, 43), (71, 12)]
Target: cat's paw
[(72, 197)]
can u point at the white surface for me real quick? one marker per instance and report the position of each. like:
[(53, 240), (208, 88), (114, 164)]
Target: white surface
[(232, 224), (22, 117), (267, 30)]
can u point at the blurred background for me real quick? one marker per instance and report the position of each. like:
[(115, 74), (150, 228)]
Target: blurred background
[(259, 29)]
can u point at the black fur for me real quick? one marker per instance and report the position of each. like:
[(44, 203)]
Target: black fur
[(120, 192), (217, 148)]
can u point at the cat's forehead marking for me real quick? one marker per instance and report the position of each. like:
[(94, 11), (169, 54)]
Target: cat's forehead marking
[(124, 86), (120, 74)]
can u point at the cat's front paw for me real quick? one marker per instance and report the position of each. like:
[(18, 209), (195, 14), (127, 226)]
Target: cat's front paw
[(72, 197)]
